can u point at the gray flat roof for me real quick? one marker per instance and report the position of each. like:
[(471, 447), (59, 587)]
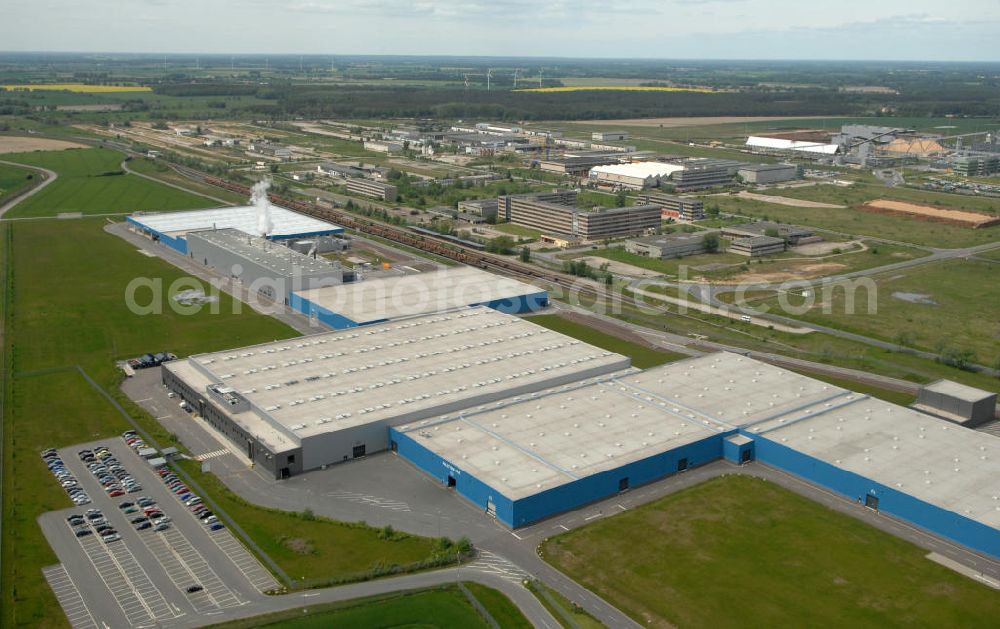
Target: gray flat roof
[(931, 459), (535, 443), (337, 380), (281, 260), (959, 391), (415, 294), (667, 239), (531, 444), (286, 222), (765, 167)]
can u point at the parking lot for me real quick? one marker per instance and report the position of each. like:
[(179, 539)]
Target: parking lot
[(182, 575)]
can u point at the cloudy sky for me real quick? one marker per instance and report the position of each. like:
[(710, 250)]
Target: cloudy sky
[(726, 29)]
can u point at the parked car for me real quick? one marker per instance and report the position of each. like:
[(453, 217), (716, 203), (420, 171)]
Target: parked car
[(142, 526), (191, 589), (217, 526), (111, 538), (162, 526), (81, 532)]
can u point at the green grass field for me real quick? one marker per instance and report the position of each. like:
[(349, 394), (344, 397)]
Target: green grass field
[(951, 302), (84, 187), (160, 170), (642, 356), (788, 265), (569, 615), (517, 230), (741, 552), (861, 223), (14, 180), (437, 608)]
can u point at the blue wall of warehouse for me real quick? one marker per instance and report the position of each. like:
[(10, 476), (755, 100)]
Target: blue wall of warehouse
[(178, 244), (326, 317), (514, 305), (605, 484), (947, 524), (560, 499), (519, 305), (467, 485), (734, 452)]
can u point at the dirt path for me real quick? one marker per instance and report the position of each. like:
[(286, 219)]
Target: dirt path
[(50, 176), (778, 200)]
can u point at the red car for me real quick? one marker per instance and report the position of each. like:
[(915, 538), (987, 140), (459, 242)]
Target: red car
[(116, 493)]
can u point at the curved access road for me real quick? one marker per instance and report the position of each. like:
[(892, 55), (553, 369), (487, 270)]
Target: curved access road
[(50, 176)]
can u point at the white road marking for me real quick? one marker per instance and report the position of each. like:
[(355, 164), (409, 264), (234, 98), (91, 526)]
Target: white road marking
[(591, 517)]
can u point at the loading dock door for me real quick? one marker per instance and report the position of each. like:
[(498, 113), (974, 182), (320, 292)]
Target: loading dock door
[(682, 464), (623, 484), (491, 508), (451, 481), (871, 502), (746, 456), (359, 451)]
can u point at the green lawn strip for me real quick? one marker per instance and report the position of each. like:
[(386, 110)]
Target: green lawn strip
[(781, 556), (91, 182), (442, 607), (317, 551), (642, 356), (881, 393), (505, 612), (569, 615), (517, 230)]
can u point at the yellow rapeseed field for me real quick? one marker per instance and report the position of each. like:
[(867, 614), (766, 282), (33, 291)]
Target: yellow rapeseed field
[(616, 88), (79, 87)]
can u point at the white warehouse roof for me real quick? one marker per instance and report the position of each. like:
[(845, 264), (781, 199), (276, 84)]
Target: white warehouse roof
[(286, 222), (639, 170), (408, 295), (791, 145), (424, 366)]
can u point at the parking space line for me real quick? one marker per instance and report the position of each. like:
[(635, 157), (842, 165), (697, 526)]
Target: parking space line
[(250, 566), (76, 610), (123, 592)]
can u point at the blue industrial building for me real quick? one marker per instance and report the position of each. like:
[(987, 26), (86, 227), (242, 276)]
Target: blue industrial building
[(170, 228), (528, 459), (387, 298)]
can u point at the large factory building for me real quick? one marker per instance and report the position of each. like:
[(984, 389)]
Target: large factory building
[(390, 298), (527, 459), (265, 268), (171, 228), (304, 403)]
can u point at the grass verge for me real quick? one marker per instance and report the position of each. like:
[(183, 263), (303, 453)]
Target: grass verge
[(569, 615), (442, 607), (642, 356)]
